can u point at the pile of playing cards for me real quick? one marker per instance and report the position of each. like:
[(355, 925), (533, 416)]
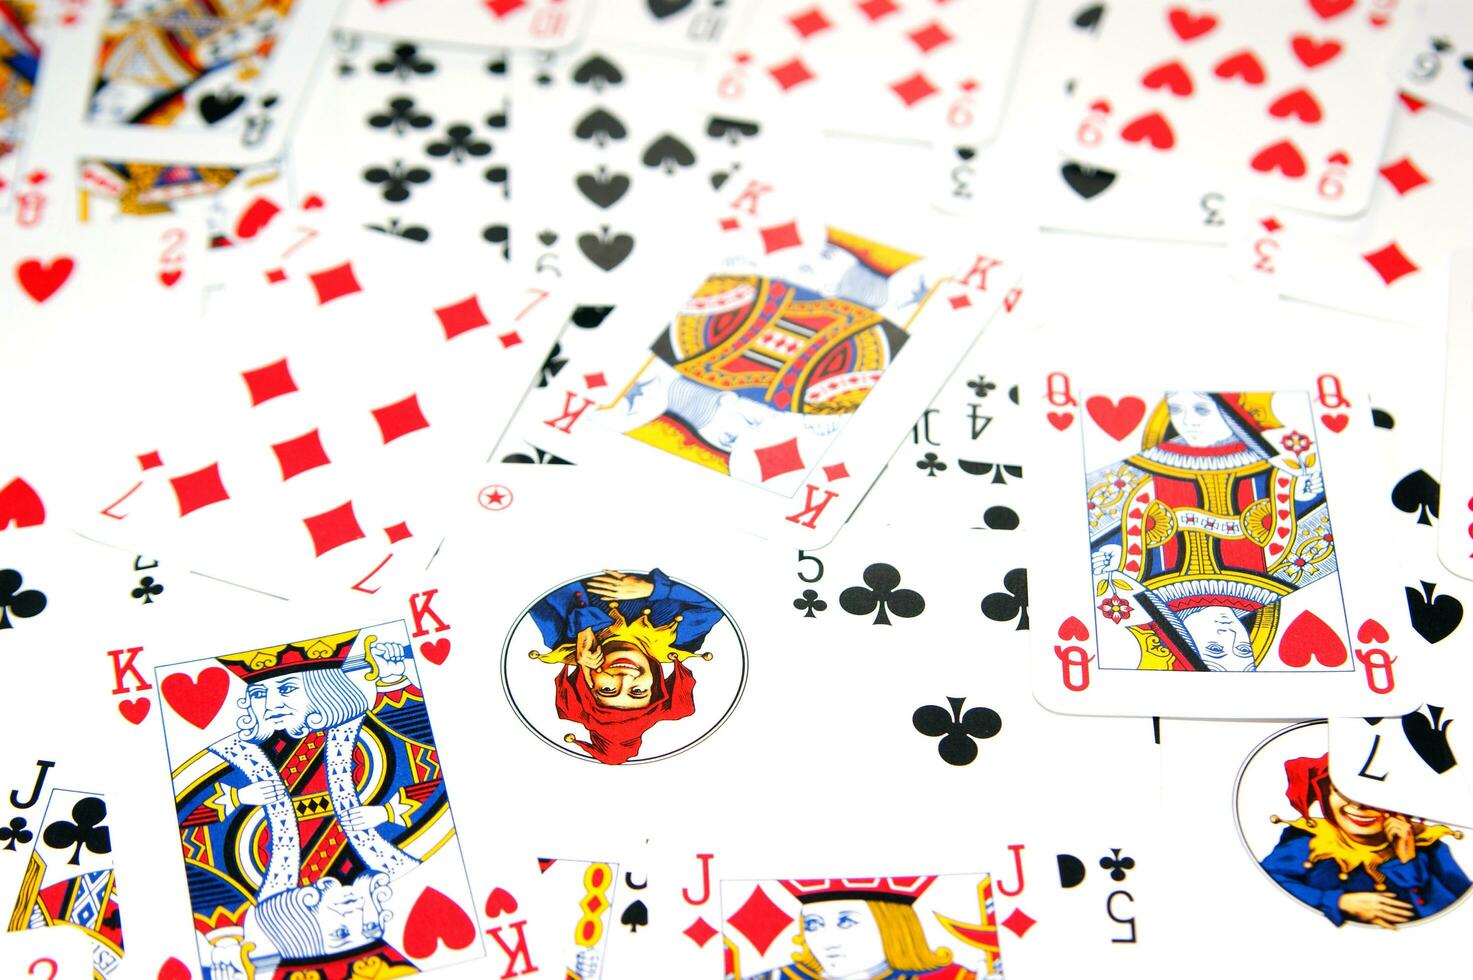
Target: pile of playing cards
[(735, 489)]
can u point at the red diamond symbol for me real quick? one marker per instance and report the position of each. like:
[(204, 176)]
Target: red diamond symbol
[(333, 528), (810, 22), (457, 318), (742, 57), (595, 380), (913, 89), (875, 9), (933, 35), (199, 489), (729, 224), (759, 920), (699, 932), (151, 460), (275, 276), (1404, 175), (500, 8), (400, 419), (1271, 224), (271, 381), (780, 236), (969, 85), (790, 73), (1018, 922), (836, 471), (398, 532), (960, 301), (301, 454), (1390, 263), (509, 339), (779, 459), (334, 283)]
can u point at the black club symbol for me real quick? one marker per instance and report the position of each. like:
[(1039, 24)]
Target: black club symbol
[(458, 143), (1117, 865), (398, 180), (958, 732), (405, 62), (809, 603), (881, 596), (147, 589), (85, 829), (981, 386), (931, 463), (22, 604), (401, 116), (16, 833)]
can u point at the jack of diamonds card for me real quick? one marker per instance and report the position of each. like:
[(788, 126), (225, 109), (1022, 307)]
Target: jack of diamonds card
[(1197, 530)]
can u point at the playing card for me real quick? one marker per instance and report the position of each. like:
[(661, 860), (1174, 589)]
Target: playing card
[(540, 24), (889, 70), (1284, 101), (407, 138), (922, 925), (1308, 860), (1209, 538), (144, 81), (1436, 61), (320, 752), (20, 41), (749, 390), (1391, 262)]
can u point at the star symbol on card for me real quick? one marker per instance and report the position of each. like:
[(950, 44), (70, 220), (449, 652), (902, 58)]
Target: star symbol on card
[(494, 496)]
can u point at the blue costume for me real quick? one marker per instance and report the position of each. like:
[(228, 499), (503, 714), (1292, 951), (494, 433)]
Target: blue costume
[(1429, 883)]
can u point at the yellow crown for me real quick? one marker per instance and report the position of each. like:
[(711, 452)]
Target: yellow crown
[(655, 642)]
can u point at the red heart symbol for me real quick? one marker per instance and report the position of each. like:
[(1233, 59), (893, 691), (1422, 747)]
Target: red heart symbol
[(1299, 103), (1135, 515), (134, 710), (1188, 25), (1340, 157), (1151, 127), (1283, 515), (197, 699), (1244, 65), (20, 505), (1335, 423), (500, 900), (1073, 629), (1311, 638), (1313, 53), (1172, 75), (1118, 420), (257, 215), (1330, 8), (1100, 105), (1283, 532), (1282, 155), (1132, 567), (433, 920), (1274, 549), (41, 281), (311, 202), (1372, 632), (170, 276), (1060, 420), (173, 969), (435, 652), (1282, 498)]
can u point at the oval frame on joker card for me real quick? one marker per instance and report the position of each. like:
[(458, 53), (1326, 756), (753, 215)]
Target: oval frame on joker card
[(1262, 788), (539, 689)]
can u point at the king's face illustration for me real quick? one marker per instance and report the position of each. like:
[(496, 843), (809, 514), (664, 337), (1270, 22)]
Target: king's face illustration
[(626, 678), (279, 703), (1197, 418)]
